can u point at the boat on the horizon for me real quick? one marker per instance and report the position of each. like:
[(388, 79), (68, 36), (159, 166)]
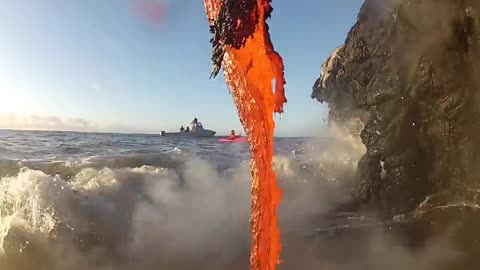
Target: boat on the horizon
[(194, 129)]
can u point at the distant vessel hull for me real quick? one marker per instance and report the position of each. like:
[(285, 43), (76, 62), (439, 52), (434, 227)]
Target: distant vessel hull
[(195, 129), (203, 133)]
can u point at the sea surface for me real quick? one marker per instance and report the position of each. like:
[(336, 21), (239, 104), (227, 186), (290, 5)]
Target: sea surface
[(123, 150), (71, 200)]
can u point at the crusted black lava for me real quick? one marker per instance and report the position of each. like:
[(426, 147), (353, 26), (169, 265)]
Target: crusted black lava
[(236, 22)]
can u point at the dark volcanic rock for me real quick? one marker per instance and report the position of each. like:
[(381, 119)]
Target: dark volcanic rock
[(410, 71)]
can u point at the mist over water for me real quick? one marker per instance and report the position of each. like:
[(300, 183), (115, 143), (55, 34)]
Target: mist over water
[(110, 201)]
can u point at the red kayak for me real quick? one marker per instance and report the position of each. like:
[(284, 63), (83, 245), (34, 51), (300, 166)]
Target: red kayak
[(238, 139)]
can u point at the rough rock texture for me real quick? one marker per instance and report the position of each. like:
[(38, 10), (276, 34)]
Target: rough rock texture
[(409, 71)]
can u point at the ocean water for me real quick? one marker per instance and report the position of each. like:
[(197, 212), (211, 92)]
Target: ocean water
[(72, 200), (40, 148)]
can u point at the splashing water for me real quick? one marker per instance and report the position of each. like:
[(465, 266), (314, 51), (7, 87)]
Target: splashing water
[(22, 203), (241, 43), (39, 203)]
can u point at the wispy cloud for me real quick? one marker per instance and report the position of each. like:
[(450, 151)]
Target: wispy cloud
[(41, 122)]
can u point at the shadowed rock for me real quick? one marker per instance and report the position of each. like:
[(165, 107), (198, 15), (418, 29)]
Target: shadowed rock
[(409, 73)]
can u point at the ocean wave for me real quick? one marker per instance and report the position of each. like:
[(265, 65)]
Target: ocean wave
[(147, 216), (174, 206), (114, 212), (69, 167)]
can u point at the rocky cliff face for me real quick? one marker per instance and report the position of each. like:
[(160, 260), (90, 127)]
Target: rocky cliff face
[(409, 75), (408, 78)]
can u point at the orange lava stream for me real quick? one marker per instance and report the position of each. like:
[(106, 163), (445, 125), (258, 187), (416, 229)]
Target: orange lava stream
[(249, 72)]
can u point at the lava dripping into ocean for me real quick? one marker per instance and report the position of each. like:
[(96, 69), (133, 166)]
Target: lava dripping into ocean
[(242, 45)]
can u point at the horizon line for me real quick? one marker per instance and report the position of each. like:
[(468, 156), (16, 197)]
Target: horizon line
[(119, 132)]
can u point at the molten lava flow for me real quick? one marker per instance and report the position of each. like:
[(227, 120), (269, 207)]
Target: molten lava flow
[(242, 44)]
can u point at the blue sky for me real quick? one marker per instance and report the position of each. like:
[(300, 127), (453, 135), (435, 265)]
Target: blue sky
[(96, 61)]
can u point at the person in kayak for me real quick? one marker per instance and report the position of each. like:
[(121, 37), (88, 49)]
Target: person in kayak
[(182, 129), (232, 135)]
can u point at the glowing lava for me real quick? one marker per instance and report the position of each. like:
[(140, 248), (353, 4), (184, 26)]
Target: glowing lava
[(241, 43)]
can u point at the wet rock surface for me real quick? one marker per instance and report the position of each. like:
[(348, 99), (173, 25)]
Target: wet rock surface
[(413, 82), (409, 72)]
